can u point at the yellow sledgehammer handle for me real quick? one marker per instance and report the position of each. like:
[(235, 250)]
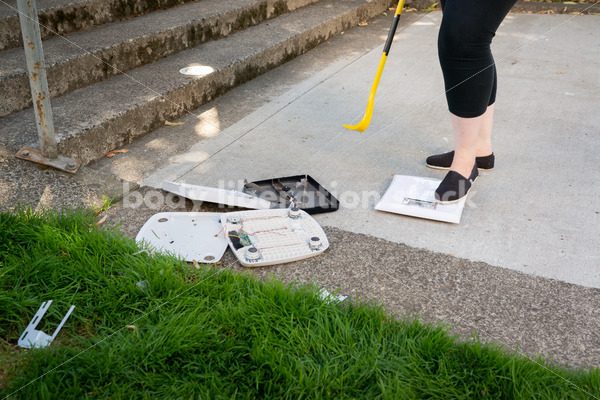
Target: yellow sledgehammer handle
[(364, 123)]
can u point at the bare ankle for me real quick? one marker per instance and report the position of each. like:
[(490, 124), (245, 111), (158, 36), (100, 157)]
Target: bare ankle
[(484, 151), (462, 167)]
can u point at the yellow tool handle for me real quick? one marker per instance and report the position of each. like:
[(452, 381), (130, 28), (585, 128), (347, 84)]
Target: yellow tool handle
[(400, 7), (364, 123), (388, 42)]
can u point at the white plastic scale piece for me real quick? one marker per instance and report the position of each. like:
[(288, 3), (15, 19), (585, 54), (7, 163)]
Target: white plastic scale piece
[(189, 235), (215, 195), (275, 236), (415, 196), (32, 338)]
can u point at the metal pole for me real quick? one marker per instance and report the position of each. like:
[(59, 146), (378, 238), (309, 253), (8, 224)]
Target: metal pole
[(37, 77)]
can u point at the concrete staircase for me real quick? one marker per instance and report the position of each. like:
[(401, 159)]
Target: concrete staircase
[(113, 79)]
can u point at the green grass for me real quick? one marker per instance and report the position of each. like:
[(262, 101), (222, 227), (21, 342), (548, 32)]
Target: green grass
[(205, 334)]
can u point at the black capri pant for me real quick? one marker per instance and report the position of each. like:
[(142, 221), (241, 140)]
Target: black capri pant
[(466, 33)]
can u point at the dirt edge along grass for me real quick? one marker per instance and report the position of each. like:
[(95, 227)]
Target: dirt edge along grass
[(212, 333)]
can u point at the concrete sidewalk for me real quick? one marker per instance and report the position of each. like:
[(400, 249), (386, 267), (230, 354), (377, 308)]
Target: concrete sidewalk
[(538, 212)]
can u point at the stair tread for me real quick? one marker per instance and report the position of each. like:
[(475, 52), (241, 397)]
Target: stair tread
[(63, 17), (90, 56), (10, 8), (57, 50)]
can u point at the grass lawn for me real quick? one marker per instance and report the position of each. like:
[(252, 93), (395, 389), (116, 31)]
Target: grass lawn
[(202, 333)]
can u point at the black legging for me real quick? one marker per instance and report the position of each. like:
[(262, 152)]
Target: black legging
[(467, 30)]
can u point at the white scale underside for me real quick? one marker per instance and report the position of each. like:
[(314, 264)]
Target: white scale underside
[(189, 235), (203, 237), (277, 237)]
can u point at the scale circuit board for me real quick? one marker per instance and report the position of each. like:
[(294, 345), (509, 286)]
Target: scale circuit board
[(267, 237)]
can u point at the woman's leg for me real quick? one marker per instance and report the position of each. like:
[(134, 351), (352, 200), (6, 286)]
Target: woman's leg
[(467, 30), (484, 140), (472, 138), (466, 138)]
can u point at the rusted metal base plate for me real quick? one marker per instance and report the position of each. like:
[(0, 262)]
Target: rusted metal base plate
[(62, 163)]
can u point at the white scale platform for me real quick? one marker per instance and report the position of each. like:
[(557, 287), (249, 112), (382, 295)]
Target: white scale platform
[(415, 196)]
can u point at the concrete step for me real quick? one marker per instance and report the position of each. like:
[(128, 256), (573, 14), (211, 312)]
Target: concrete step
[(99, 118), (96, 54), (62, 17)]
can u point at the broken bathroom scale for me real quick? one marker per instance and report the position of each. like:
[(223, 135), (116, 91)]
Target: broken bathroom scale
[(301, 190), (415, 196), (233, 198), (257, 237), (268, 237), (192, 236), (33, 338)]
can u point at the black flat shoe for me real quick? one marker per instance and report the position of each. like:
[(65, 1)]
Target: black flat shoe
[(455, 186), (444, 161)]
